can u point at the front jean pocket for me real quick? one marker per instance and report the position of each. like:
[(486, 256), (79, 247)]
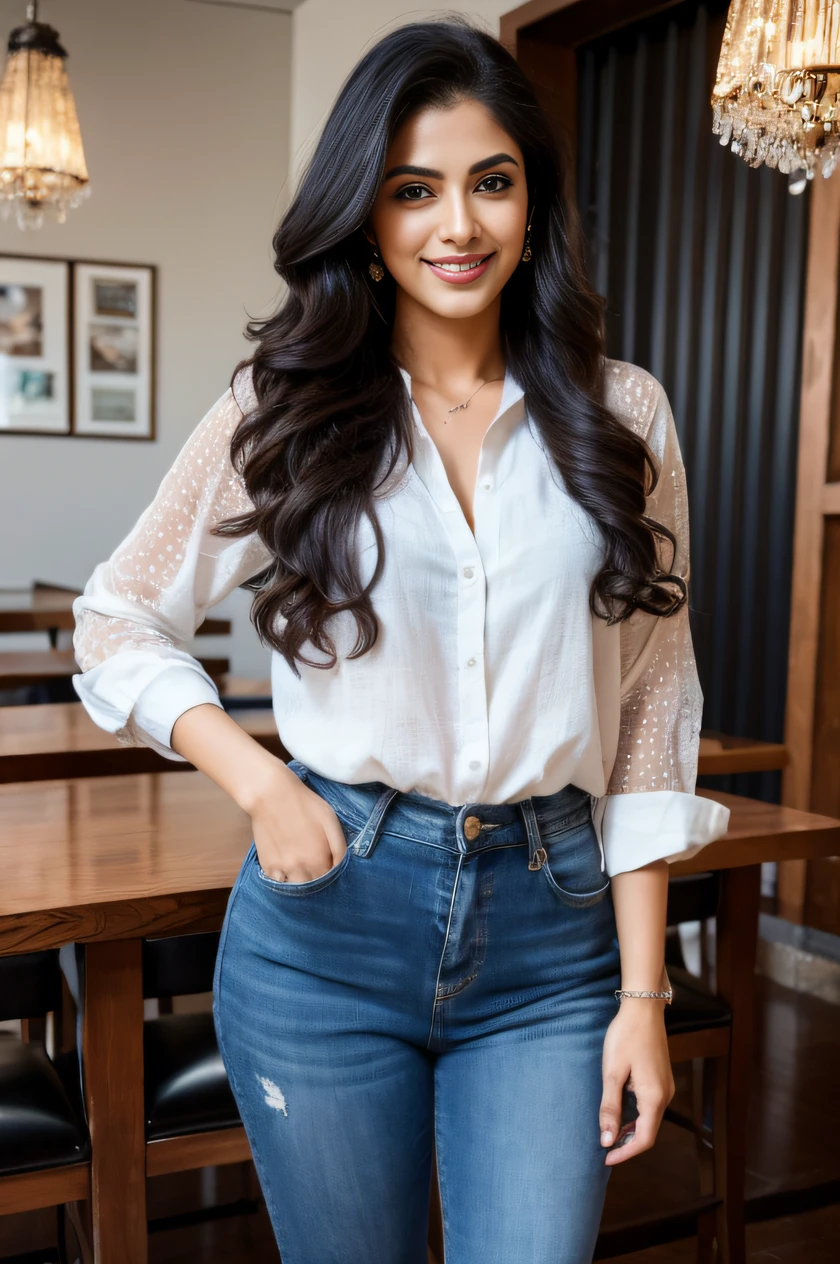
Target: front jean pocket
[(303, 888), (572, 865), (324, 879)]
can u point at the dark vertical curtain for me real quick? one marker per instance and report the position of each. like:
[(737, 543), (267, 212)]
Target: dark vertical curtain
[(701, 260)]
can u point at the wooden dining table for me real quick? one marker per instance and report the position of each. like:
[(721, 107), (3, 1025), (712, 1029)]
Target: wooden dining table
[(59, 739), (24, 668), (108, 861), (49, 608)]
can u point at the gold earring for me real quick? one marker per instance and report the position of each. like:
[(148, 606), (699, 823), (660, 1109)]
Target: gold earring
[(376, 269), (526, 253)]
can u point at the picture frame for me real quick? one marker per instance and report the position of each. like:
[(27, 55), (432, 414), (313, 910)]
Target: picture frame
[(113, 338), (35, 346)]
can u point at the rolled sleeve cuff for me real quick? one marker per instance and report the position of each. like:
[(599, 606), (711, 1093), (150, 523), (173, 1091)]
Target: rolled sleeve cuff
[(159, 705), (636, 829), (138, 696)]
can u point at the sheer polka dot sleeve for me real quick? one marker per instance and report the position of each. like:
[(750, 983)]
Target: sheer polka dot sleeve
[(140, 608), (650, 811)]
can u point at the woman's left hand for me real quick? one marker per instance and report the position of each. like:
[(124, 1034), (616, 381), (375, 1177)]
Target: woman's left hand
[(635, 1055)]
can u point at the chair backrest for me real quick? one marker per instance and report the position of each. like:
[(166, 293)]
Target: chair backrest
[(692, 897), (179, 965), (30, 985)]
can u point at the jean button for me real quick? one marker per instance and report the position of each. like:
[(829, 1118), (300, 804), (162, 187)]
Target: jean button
[(472, 826)]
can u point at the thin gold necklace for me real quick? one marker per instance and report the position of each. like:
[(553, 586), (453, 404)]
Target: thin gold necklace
[(458, 407)]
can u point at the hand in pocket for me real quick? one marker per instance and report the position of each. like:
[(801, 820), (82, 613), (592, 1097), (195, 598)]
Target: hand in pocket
[(297, 835)]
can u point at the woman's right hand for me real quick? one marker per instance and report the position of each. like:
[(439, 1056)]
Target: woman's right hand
[(297, 834)]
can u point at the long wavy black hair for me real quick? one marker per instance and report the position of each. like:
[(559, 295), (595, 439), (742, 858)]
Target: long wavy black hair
[(331, 410)]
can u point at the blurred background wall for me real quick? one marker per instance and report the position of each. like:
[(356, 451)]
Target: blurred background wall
[(328, 40), (184, 110)]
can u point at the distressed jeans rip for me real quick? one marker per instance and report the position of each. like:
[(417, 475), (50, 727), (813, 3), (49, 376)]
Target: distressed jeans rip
[(273, 1095)]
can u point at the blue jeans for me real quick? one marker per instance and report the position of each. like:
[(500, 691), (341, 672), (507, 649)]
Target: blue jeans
[(431, 990)]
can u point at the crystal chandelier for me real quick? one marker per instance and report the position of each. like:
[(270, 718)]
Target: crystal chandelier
[(42, 163), (776, 98)]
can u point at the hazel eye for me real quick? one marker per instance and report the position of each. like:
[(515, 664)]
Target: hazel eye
[(402, 195), (505, 183)]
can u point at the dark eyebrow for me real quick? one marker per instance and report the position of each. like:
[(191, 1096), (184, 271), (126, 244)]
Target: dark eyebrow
[(407, 170), (493, 161)]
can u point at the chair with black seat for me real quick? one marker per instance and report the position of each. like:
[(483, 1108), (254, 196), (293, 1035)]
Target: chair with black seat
[(188, 1098), (44, 1141), (191, 1119), (698, 1024)]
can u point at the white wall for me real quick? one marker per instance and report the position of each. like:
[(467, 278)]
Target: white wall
[(329, 37), (184, 110)]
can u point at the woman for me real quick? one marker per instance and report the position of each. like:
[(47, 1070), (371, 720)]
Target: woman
[(468, 538)]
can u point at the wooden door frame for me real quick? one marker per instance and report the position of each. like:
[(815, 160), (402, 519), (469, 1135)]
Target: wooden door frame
[(543, 36), (816, 498)]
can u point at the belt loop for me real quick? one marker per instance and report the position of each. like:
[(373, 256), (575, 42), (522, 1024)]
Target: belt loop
[(364, 844), (536, 852)]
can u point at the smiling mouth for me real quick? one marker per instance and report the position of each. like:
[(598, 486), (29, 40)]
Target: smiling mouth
[(460, 271), (460, 267)]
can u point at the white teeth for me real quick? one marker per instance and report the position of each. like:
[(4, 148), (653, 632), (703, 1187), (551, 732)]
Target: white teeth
[(459, 267)]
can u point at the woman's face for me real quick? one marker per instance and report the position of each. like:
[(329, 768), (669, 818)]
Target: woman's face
[(454, 192)]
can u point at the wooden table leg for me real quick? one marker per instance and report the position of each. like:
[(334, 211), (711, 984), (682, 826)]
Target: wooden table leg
[(113, 1061), (737, 941)]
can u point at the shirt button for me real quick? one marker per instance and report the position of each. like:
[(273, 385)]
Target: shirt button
[(487, 484), (468, 572), (470, 662), (475, 763)]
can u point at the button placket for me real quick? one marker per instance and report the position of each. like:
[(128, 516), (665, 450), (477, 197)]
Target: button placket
[(473, 552), (472, 613)]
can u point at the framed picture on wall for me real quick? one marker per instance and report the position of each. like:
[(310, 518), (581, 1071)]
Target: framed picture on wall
[(114, 350), (34, 346)]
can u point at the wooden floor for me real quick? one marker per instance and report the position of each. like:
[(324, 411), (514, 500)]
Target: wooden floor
[(794, 1143)]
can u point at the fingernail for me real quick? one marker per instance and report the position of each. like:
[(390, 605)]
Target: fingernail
[(606, 1138)]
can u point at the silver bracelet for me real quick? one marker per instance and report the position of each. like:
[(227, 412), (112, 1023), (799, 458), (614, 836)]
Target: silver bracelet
[(664, 996)]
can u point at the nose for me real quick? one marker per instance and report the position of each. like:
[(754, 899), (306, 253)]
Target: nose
[(458, 223)]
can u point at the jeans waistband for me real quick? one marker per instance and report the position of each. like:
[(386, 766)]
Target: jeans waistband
[(468, 828)]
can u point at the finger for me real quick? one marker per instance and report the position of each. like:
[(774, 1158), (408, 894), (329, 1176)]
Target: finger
[(318, 859), (336, 841), (275, 872), (609, 1113), (634, 1138)]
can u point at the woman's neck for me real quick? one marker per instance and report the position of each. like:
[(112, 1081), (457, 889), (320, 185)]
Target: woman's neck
[(447, 355)]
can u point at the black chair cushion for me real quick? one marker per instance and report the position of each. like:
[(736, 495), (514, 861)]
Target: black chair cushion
[(186, 1085), (179, 965), (30, 985), (692, 1007), (41, 1124)]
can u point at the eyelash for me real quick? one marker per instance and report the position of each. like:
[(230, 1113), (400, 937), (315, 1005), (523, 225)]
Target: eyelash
[(399, 196)]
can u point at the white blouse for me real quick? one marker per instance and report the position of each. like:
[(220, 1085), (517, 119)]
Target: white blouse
[(490, 680)]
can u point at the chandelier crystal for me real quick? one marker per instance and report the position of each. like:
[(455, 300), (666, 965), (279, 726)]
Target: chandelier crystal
[(42, 163), (776, 98)]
